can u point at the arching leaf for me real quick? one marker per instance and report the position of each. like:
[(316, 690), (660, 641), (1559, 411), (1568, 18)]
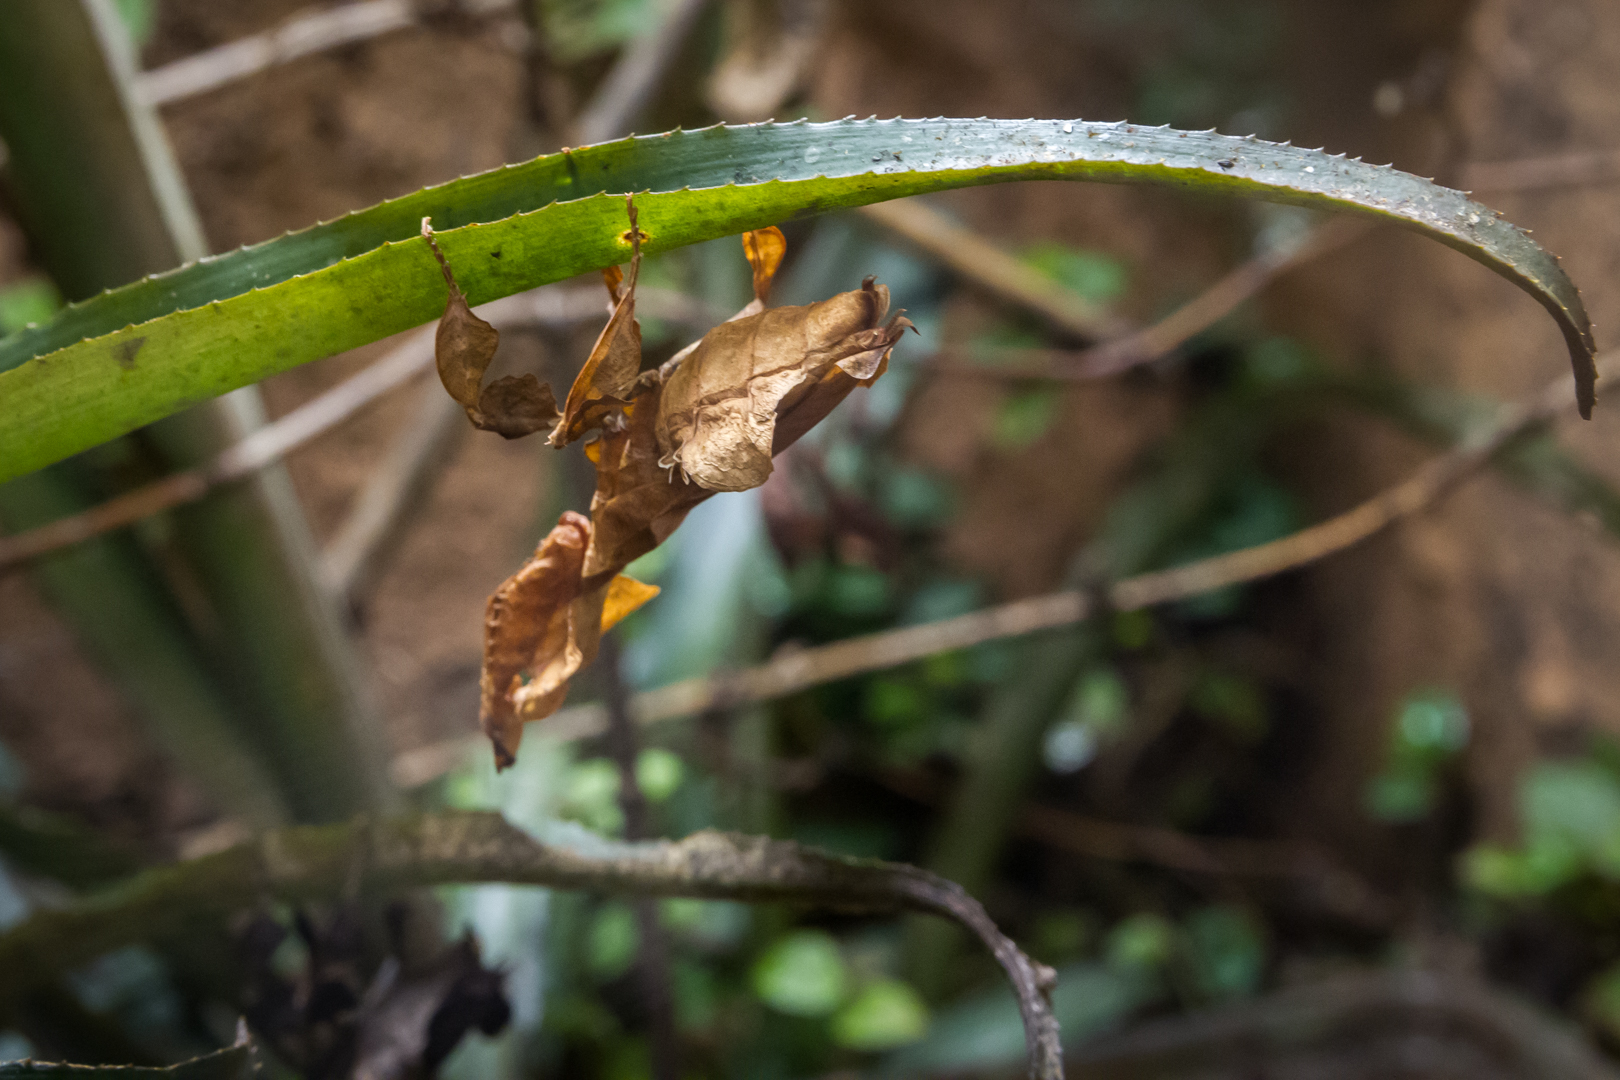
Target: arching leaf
[(135, 354)]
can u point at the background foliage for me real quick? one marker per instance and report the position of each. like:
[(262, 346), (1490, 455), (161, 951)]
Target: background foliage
[(1398, 761)]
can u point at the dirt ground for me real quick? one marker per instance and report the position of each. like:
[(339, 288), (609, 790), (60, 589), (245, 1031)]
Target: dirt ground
[(1478, 595)]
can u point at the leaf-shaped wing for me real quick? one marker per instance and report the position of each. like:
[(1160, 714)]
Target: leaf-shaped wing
[(718, 414), (604, 382), (463, 346), (529, 647)]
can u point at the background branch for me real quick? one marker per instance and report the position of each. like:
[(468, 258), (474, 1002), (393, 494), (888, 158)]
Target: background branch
[(301, 35), (319, 862), (1155, 342), (635, 76), (793, 670), (993, 269)]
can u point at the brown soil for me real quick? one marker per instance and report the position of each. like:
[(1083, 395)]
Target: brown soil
[(1494, 595)]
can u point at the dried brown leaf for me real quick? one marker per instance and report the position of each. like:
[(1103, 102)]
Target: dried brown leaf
[(718, 414), (541, 626), (463, 347), (638, 502), (603, 384), (764, 250), (625, 594), (710, 420), (528, 644), (516, 405)]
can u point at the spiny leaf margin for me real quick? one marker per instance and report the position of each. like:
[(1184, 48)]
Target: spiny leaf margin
[(135, 354)]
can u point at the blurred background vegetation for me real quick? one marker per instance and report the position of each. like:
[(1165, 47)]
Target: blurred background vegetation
[(1239, 826)]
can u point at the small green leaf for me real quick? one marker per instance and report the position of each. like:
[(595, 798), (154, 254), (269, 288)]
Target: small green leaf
[(1099, 707), (140, 17), (1431, 725), (27, 303), (1025, 416), (1401, 796), (592, 796), (710, 924), (1574, 801), (1277, 361), (884, 1015), (613, 942), (1062, 935), (1093, 275), (658, 773), (859, 592), (1142, 942), (802, 974), (1133, 630), (915, 500), (1496, 871), (1227, 951), (894, 703), (697, 996), (1235, 704)]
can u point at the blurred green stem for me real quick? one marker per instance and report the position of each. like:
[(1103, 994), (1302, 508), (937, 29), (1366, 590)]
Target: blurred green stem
[(52, 846), (104, 202), (1002, 758), (132, 629)]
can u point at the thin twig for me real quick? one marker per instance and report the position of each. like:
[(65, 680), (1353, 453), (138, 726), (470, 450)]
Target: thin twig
[(993, 269), (1215, 303), (309, 863), (1341, 891), (1155, 342), (354, 556), (654, 958), (269, 444), (791, 671), (635, 76), (1559, 170), (1417, 492), (303, 34)]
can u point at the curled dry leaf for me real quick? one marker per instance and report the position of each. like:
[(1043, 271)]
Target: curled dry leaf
[(709, 420), (764, 250), (540, 627), (717, 420), (604, 382), (513, 406)]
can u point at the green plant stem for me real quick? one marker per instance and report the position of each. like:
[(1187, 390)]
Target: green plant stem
[(1003, 756), (286, 667), (52, 846), (136, 635), (290, 667), (75, 138)]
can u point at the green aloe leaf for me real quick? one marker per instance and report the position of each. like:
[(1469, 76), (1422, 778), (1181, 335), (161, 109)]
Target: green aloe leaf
[(135, 354)]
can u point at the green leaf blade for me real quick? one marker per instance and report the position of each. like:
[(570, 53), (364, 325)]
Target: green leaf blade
[(122, 359)]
